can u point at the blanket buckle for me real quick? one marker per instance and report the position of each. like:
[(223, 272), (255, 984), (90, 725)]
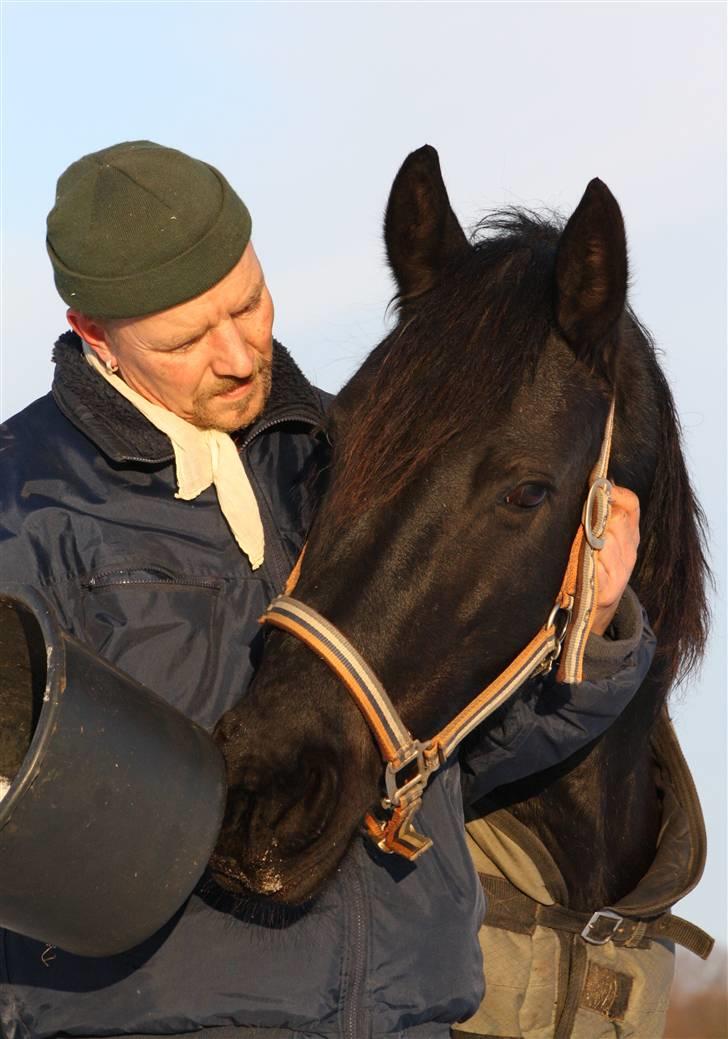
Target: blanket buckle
[(596, 935)]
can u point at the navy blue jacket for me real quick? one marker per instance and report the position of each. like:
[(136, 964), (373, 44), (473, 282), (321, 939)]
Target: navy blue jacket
[(158, 586)]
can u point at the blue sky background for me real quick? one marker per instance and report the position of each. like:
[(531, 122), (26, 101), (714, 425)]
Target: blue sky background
[(309, 109)]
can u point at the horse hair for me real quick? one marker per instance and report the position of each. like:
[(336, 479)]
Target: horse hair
[(423, 396), (450, 401)]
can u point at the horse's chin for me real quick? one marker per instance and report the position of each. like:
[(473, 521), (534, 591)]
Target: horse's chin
[(289, 882)]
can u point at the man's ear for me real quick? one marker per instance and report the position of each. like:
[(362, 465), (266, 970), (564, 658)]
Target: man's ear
[(93, 333)]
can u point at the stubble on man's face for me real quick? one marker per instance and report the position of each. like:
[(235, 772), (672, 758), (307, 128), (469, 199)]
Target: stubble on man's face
[(210, 410)]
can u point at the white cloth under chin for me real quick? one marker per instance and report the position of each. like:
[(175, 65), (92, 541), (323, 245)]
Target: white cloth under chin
[(202, 458)]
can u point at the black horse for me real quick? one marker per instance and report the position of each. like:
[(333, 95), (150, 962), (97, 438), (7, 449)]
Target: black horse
[(462, 452)]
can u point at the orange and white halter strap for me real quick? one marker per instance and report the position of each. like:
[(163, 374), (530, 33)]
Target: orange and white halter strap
[(409, 761)]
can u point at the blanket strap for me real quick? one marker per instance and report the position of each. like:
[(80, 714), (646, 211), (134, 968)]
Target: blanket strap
[(511, 910)]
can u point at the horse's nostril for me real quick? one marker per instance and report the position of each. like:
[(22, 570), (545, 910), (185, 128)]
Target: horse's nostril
[(275, 812), (237, 811)]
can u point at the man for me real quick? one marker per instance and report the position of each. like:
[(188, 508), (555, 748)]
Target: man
[(159, 496)]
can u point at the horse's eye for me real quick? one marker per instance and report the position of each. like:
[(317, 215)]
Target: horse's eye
[(527, 495)]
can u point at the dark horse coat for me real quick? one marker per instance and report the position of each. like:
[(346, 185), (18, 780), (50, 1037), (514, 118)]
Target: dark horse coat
[(157, 586)]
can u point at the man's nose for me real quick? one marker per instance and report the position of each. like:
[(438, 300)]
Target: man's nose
[(231, 354)]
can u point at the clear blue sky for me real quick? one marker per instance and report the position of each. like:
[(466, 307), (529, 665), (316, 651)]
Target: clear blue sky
[(310, 108)]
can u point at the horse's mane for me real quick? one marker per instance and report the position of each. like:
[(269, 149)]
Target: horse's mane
[(416, 392), (672, 569)]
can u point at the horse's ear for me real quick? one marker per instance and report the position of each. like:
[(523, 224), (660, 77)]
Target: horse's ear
[(591, 275), (421, 232)]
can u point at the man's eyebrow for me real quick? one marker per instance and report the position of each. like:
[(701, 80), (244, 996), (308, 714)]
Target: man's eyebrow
[(251, 301), (183, 340)]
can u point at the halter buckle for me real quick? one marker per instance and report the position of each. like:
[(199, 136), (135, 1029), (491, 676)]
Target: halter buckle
[(412, 788)]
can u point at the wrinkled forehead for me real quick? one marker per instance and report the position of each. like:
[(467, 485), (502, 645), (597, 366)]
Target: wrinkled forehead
[(240, 289)]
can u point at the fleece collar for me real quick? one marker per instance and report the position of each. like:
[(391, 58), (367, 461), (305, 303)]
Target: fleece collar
[(125, 435)]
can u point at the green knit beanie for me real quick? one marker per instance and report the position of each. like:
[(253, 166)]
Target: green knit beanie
[(138, 228)]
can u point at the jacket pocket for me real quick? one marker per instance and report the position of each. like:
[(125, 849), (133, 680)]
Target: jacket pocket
[(156, 624), (116, 577)]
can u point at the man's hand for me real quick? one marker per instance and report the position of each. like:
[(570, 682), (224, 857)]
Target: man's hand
[(616, 560)]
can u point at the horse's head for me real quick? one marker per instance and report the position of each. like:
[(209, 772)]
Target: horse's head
[(462, 452)]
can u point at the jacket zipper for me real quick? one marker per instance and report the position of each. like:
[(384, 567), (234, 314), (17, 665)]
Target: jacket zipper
[(124, 576), (355, 1023), (160, 460), (274, 422)]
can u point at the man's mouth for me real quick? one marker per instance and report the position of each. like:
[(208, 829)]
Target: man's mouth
[(237, 391)]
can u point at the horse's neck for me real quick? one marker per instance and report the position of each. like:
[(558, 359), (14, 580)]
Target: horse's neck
[(600, 818)]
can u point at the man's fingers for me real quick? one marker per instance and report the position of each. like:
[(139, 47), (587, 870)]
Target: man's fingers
[(611, 580), (624, 516), (616, 560), (620, 547), (625, 504)]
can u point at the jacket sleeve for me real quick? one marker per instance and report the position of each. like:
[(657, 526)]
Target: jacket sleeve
[(547, 721)]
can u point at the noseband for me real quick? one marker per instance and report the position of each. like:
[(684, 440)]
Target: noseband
[(409, 762)]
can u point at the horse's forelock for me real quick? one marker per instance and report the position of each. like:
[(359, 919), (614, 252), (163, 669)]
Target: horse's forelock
[(458, 353)]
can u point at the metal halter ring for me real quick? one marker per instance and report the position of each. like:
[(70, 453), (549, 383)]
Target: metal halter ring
[(560, 615), (594, 537), (565, 619)]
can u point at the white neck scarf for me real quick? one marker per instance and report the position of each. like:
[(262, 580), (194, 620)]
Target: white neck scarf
[(202, 457)]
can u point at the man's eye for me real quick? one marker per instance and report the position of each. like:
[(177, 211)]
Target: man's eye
[(527, 495), (181, 347), (249, 308)]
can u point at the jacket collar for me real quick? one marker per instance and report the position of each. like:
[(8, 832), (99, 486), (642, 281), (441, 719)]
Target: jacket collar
[(122, 432)]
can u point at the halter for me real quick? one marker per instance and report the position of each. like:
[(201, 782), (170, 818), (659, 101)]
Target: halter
[(409, 762)]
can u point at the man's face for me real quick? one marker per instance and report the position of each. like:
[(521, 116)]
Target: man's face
[(207, 360)]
